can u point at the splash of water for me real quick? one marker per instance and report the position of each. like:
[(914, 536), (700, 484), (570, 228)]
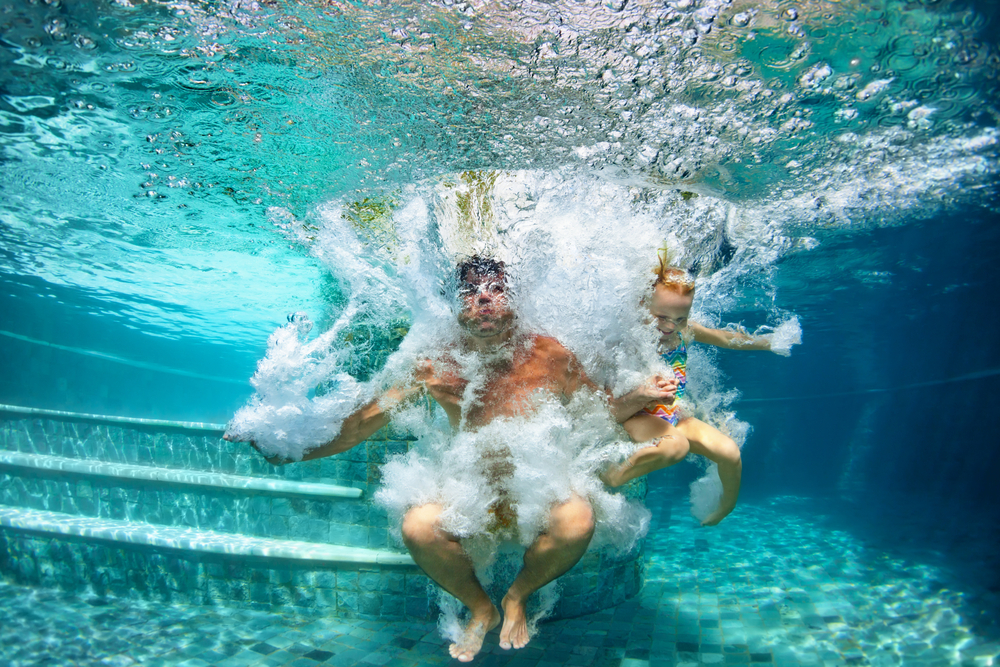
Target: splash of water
[(579, 252)]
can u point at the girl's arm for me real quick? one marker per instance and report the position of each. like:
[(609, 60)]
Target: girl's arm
[(729, 339)]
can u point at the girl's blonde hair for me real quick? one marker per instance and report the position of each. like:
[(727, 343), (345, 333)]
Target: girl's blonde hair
[(671, 277)]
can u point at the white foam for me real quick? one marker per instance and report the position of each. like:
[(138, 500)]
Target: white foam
[(283, 417), (579, 251), (787, 334), (552, 455), (706, 492)]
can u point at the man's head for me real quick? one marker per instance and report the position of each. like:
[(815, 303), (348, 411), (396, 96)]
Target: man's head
[(483, 298)]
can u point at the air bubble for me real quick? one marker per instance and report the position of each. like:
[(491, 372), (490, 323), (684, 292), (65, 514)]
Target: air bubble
[(84, 42), (223, 98), (56, 28)]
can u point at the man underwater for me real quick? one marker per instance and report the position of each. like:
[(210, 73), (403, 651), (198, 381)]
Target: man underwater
[(516, 369)]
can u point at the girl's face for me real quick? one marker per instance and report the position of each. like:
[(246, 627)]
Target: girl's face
[(670, 311)]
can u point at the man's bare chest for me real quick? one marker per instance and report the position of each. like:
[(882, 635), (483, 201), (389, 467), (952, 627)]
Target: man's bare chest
[(499, 390)]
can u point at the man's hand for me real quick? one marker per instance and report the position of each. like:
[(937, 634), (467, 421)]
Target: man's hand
[(656, 389), (273, 459)]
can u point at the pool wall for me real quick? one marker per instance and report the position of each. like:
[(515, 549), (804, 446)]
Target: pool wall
[(170, 511)]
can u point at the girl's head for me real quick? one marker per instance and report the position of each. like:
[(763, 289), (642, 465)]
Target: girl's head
[(670, 277), (672, 297)]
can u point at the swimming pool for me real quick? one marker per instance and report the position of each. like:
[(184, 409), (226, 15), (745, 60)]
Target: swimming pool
[(181, 176)]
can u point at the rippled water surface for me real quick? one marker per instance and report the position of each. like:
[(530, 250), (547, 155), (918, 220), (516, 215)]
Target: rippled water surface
[(144, 141)]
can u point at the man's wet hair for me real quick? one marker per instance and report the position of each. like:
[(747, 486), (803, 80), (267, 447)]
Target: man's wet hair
[(480, 265)]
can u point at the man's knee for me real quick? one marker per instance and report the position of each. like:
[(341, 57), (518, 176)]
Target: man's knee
[(572, 520), (420, 525)]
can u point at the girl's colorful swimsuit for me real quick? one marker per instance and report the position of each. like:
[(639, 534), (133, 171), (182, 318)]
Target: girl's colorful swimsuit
[(677, 360)]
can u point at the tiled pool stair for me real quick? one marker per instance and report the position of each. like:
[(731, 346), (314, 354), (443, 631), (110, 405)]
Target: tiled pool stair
[(170, 511), (789, 582)]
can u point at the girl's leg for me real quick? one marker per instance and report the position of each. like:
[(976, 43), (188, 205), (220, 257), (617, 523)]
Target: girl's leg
[(669, 447), (719, 448)]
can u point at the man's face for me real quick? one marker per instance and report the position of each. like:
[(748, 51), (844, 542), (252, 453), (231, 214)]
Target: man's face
[(486, 312)]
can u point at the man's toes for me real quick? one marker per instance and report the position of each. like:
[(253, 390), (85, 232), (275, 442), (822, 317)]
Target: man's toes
[(514, 637), (461, 654), (504, 640)]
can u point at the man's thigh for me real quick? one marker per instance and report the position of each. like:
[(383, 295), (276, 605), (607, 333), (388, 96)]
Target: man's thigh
[(574, 514), (423, 524)]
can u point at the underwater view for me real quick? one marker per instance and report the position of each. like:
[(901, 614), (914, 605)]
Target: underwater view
[(527, 332)]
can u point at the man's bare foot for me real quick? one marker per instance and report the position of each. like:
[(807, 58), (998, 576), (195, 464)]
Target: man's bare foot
[(514, 633), (466, 648)]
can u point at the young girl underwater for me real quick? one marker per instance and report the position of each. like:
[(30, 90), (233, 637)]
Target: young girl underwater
[(662, 418)]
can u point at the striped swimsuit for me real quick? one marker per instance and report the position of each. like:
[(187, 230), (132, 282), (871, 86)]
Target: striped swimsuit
[(677, 360)]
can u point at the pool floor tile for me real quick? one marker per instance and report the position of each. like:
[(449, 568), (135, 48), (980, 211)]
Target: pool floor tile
[(741, 593)]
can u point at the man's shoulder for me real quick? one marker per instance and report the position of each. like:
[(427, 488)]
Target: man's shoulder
[(549, 346), (540, 340)]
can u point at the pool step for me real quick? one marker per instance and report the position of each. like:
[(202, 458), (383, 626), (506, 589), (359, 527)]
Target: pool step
[(74, 466), (127, 471), (183, 446), (172, 512), (190, 427), (263, 507), (192, 539)]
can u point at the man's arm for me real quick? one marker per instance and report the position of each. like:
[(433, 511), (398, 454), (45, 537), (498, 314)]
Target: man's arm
[(364, 422), (623, 407), (361, 425)]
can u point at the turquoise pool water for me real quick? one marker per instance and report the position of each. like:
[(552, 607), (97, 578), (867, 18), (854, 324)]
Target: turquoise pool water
[(177, 177)]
